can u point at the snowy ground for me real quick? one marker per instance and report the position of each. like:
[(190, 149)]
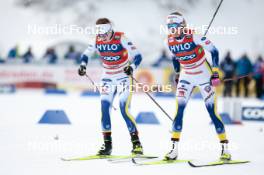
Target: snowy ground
[(29, 148)]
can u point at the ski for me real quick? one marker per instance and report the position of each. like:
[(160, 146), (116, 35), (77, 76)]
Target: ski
[(93, 157), (128, 159), (197, 164), (108, 157), (160, 162)]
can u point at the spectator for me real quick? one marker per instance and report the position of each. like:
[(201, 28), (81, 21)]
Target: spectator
[(243, 68), (72, 54), (51, 56), (228, 67), (13, 53), (1, 60), (162, 58), (28, 56), (258, 76)]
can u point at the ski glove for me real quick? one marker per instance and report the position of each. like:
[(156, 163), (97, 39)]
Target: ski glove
[(128, 70), (215, 79), (82, 70)]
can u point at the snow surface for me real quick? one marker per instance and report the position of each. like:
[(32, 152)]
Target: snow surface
[(30, 148)]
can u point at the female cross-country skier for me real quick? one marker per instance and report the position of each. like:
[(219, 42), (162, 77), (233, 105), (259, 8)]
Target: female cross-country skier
[(193, 70), (119, 58)]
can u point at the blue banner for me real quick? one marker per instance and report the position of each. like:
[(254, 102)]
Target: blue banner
[(253, 113)]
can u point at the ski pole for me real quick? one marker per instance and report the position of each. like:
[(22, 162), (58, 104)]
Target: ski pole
[(237, 78), (154, 101), (213, 17)]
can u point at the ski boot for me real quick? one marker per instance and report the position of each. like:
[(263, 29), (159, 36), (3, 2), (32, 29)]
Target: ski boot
[(173, 154), (137, 147), (106, 148), (225, 154)]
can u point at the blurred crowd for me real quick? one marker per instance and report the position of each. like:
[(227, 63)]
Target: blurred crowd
[(50, 56), (239, 75)]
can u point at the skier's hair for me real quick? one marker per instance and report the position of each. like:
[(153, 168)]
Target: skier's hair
[(184, 24), (176, 13), (103, 21)]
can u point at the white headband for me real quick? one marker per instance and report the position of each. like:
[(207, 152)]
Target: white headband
[(103, 28), (174, 19)]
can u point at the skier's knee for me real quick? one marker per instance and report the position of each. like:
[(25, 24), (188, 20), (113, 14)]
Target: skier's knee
[(123, 106), (105, 104), (181, 101)]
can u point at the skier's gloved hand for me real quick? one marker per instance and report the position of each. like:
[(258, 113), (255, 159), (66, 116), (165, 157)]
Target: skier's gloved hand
[(128, 70), (82, 70), (215, 79), (177, 76)]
